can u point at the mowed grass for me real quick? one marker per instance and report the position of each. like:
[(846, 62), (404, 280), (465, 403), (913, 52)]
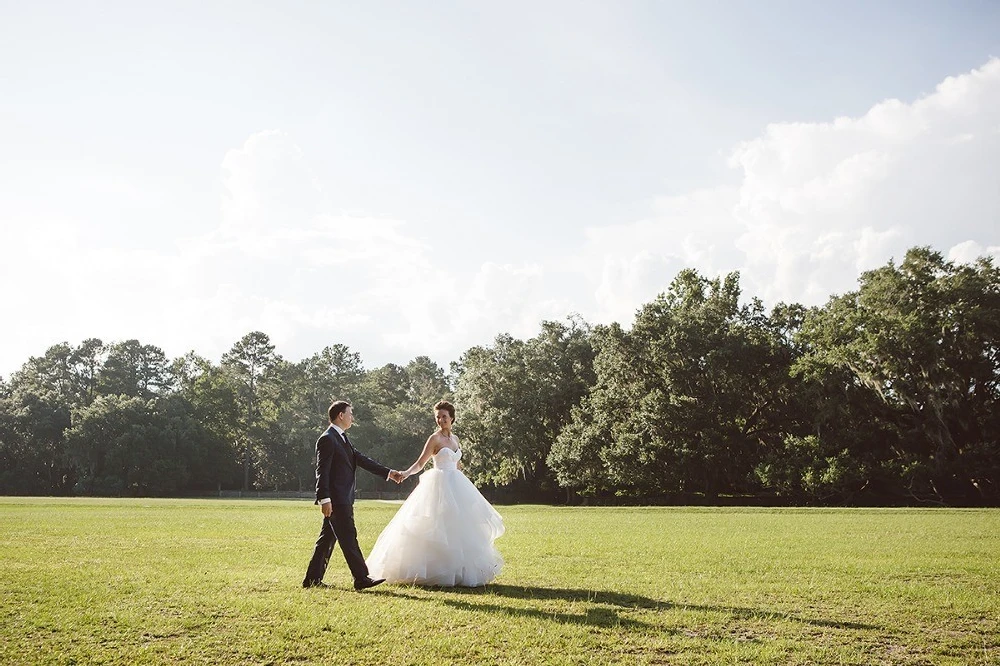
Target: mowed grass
[(92, 581)]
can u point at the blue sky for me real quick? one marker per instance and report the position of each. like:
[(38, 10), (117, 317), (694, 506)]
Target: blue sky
[(415, 178)]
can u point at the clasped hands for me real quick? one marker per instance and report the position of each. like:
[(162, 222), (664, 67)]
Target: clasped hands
[(398, 477)]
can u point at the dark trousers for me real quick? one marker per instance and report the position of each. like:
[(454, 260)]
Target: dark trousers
[(338, 527)]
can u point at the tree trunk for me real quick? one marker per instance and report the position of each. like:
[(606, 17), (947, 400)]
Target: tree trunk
[(246, 450)]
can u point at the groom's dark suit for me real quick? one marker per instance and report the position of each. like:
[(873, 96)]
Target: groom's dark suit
[(336, 463)]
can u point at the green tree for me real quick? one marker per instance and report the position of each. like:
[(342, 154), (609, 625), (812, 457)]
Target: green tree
[(426, 382), (38, 402), (922, 338), (124, 445), (191, 457), (287, 447), (304, 395), (380, 405), (111, 443), (251, 364), (398, 404), (63, 374), (331, 374), (24, 467), (88, 361), (684, 402), (134, 369), (516, 396), (214, 402)]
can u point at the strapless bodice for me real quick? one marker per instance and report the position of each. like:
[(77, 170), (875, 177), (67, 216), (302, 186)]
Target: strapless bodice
[(446, 458)]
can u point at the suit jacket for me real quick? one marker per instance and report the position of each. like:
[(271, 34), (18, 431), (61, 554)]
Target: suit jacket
[(336, 463)]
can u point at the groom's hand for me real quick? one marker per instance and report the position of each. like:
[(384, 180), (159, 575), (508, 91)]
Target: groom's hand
[(327, 509), (396, 476)]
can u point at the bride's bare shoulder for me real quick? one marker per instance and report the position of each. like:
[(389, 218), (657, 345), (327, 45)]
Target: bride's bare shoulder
[(436, 442)]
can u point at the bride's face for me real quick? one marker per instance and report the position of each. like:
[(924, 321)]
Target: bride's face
[(442, 417)]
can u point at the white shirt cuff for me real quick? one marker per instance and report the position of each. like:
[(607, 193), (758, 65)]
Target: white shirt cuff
[(325, 500)]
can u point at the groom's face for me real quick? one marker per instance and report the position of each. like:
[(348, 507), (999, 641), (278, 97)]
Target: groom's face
[(346, 419)]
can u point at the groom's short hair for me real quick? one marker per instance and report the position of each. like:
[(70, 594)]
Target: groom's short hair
[(337, 408)]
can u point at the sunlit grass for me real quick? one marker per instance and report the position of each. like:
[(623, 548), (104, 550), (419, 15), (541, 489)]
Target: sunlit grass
[(217, 582)]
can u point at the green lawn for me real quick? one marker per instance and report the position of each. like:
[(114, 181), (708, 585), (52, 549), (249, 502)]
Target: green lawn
[(90, 581)]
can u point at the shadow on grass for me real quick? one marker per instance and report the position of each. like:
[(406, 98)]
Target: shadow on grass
[(480, 602), (604, 608)]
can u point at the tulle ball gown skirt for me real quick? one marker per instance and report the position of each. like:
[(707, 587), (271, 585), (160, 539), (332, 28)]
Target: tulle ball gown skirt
[(443, 535)]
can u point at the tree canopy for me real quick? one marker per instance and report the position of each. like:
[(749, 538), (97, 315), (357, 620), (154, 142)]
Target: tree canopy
[(888, 393)]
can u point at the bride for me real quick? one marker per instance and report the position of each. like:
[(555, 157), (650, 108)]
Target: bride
[(443, 533)]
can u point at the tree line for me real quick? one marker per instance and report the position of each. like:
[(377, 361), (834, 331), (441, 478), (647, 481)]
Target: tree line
[(886, 394)]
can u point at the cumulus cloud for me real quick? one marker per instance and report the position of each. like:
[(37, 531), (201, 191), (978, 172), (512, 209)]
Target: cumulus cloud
[(821, 202), (281, 262), (65, 285), (815, 205), (969, 251), (268, 187)]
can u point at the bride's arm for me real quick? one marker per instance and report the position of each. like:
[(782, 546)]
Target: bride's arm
[(425, 455)]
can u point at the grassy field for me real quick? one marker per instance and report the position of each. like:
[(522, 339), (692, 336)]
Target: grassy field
[(91, 581)]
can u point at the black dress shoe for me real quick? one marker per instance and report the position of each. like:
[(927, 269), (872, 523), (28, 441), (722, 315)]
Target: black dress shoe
[(365, 583), (313, 583)]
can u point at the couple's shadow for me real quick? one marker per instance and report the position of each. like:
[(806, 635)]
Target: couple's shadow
[(602, 608)]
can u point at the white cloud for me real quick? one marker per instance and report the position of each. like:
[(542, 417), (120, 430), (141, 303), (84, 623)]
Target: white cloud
[(817, 204), (309, 278), (821, 202), (969, 251), (268, 186)]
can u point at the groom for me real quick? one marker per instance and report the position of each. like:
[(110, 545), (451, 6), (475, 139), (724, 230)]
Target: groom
[(336, 462)]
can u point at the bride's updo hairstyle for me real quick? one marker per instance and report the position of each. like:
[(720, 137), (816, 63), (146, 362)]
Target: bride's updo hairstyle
[(450, 408)]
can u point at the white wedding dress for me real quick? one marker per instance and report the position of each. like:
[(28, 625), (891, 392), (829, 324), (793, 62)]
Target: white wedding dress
[(442, 534)]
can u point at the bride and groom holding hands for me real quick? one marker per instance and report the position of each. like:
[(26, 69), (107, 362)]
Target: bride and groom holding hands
[(442, 534)]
